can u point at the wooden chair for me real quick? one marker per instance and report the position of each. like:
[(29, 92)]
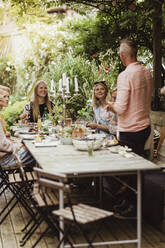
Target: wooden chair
[(77, 214), (19, 182), (44, 201)]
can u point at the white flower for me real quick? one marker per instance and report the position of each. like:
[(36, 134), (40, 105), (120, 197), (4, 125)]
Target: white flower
[(43, 45), (59, 45), (8, 63), (26, 75), (7, 68)]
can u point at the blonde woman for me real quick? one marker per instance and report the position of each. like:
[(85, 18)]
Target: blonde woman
[(38, 105), (7, 89), (7, 146), (102, 118)]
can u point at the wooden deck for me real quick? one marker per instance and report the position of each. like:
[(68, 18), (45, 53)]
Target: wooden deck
[(10, 231)]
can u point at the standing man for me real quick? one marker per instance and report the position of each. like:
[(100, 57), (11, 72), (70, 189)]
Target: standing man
[(134, 90)]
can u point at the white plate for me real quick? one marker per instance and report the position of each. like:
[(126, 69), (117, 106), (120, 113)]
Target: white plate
[(44, 144), (114, 149), (27, 137), (26, 132)]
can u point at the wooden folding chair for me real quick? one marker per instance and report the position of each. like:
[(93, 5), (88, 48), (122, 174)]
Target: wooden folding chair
[(77, 214), (19, 182), (44, 201)]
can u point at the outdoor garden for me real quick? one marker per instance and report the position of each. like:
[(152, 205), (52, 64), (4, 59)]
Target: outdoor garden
[(43, 39)]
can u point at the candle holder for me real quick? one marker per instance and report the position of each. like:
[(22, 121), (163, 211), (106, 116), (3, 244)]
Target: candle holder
[(64, 93)]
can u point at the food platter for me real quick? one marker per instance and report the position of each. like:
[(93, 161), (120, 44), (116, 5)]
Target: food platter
[(113, 142)]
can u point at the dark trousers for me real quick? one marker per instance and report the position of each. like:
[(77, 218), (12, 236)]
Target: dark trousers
[(135, 140)]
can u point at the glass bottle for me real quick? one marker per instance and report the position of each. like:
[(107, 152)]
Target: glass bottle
[(39, 123)]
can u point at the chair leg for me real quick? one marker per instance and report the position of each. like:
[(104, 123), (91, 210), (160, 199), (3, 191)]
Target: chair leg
[(41, 236), (29, 233)]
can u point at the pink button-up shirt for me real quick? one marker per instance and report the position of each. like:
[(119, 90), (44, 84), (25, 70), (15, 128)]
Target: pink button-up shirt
[(134, 90)]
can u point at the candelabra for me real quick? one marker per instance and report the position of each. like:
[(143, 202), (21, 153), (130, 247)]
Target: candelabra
[(64, 91)]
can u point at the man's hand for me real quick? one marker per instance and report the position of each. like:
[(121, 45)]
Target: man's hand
[(91, 125), (109, 107)]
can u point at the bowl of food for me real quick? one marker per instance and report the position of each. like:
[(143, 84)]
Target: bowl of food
[(82, 144)]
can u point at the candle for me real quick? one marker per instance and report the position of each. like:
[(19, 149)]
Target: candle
[(67, 86), (52, 85), (60, 85), (76, 84), (54, 92), (64, 79)]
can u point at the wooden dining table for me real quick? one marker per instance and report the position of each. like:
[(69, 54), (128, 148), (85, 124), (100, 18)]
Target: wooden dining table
[(67, 160)]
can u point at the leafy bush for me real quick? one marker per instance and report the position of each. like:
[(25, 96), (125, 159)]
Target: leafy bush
[(12, 113), (8, 75)]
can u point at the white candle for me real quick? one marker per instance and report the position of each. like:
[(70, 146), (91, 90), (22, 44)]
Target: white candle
[(64, 79), (67, 86), (52, 85), (75, 84), (54, 92), (60, 85)]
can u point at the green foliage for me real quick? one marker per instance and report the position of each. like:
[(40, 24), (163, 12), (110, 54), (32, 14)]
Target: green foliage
[(74, 105), (57, 113), (8, 75), (12, 113), (86, 113)]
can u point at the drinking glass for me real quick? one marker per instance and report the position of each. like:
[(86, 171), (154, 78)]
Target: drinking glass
[(68, 122), (90, 148)]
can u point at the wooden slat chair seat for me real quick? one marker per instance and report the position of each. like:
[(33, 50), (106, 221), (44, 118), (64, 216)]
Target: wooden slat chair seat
[(78, 214), (83, 213), (16, 177)]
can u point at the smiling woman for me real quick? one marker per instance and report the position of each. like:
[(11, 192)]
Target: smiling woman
[(8, 146), (102, 119), (39, 105)]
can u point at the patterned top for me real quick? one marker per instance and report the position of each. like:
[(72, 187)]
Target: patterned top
[(29, 110), (103, 117)]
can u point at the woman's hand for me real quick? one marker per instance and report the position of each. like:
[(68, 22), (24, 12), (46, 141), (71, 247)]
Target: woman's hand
[(92, 125), (23, 117)]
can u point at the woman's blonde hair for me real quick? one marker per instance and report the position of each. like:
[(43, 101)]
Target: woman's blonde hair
[(36, 103), (96, 102), (5, 88)]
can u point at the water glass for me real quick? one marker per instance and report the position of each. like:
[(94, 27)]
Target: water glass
[(90, 148), (68, 122)]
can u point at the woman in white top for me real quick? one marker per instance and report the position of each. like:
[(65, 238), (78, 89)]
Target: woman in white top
[(104, 122)]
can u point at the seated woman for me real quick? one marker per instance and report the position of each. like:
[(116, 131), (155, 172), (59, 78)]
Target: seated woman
[(7, 133), (104, 122), (39, 105), (7, 146)]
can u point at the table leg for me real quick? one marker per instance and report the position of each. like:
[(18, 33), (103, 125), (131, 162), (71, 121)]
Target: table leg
[(139, 214), (61, 205)]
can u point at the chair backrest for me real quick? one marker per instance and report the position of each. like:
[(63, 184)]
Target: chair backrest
[(20, 166), (49, 184), (49, 174), (54, 184), (149, 144)]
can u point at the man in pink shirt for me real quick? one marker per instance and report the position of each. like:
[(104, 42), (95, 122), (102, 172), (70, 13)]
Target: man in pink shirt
[(134, 90)]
